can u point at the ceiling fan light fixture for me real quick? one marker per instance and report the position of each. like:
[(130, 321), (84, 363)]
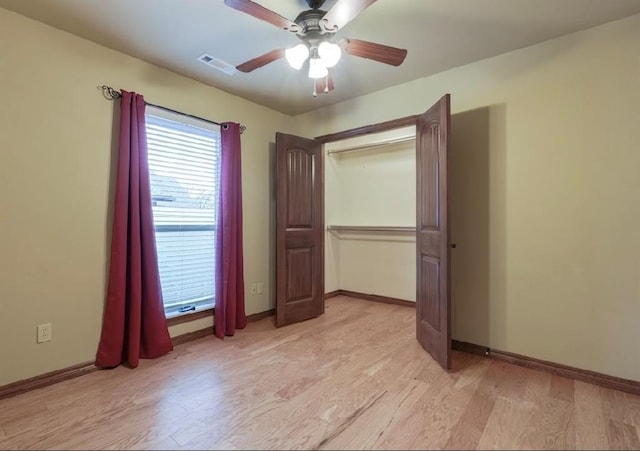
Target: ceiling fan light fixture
[(329, 53), (296, 56), (317, 69)]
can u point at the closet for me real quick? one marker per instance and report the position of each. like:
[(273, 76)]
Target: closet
[(364, 241), (370, 215)]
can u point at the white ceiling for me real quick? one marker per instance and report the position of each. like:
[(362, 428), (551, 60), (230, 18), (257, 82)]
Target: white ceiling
[(438, 34)]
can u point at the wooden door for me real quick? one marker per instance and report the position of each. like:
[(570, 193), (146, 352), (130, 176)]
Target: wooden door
[(299, 229), (433, 317)]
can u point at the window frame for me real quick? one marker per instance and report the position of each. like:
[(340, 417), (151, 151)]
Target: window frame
[(200, 309)]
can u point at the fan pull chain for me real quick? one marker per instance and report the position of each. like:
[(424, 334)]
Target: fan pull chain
[(315, 87), (326, 83)]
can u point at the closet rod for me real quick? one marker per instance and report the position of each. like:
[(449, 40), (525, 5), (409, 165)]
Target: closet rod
[(339, 228), (374, 145)]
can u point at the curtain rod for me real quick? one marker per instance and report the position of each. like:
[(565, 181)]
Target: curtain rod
[(112, 94)]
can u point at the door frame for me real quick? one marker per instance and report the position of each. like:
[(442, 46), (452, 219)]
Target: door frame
[(393, 124), (369, 129)]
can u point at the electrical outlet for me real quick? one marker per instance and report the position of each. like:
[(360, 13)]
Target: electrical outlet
[(44, 333), (260, 288), (254, 289)]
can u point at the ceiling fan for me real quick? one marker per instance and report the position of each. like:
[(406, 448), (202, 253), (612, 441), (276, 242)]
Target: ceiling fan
[(316, 29)]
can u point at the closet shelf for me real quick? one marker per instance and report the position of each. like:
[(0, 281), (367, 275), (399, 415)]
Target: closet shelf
[(374, 145), (353, 228)]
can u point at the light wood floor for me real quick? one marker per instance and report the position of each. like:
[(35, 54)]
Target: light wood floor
[(355, 378)]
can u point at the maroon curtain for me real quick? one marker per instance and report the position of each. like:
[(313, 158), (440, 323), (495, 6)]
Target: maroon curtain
[(134, 325), (229, 308)]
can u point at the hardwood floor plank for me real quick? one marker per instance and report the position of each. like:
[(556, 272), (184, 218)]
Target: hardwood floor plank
[(158, 443), (538, 387), (219, 421), (622, 435), (467, 431), (590, 421), (562, 388), (512, 380), (620, 406), (508, 424), (553, 427), (365, 432), (554, 424), (352, 418), (322, 403), (633, 408), (354, 378), (224, 444), (429, 424), (270, 431), (43, 425)]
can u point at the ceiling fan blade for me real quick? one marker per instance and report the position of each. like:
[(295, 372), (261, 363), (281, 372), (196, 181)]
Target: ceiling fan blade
[(343, 12), (325, 84), (377, 52), (262, 13), (261, 60)]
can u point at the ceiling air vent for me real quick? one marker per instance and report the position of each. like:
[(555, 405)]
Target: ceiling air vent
[(217, 64)]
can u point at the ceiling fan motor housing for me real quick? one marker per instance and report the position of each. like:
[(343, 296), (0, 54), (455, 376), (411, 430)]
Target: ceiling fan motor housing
[(311, 30), (315, 4)]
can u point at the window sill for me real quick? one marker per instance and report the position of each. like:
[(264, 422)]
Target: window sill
[(189, 316)]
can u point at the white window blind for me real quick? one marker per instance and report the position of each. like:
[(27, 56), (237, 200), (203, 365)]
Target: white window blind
[(184, 157)]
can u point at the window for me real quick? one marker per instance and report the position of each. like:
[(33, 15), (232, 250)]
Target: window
[(184, 157)]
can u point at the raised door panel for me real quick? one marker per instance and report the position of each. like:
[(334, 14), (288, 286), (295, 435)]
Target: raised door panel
[(300, 166), (299, 274)]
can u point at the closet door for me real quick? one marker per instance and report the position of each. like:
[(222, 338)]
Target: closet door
[(299, 229), (433, 318)]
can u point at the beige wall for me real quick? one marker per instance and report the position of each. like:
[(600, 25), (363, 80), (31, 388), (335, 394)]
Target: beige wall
[(55, 164), (545, 194)]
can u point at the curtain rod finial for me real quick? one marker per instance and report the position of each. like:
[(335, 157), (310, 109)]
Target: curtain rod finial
[(242, 128), (110, 93)]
